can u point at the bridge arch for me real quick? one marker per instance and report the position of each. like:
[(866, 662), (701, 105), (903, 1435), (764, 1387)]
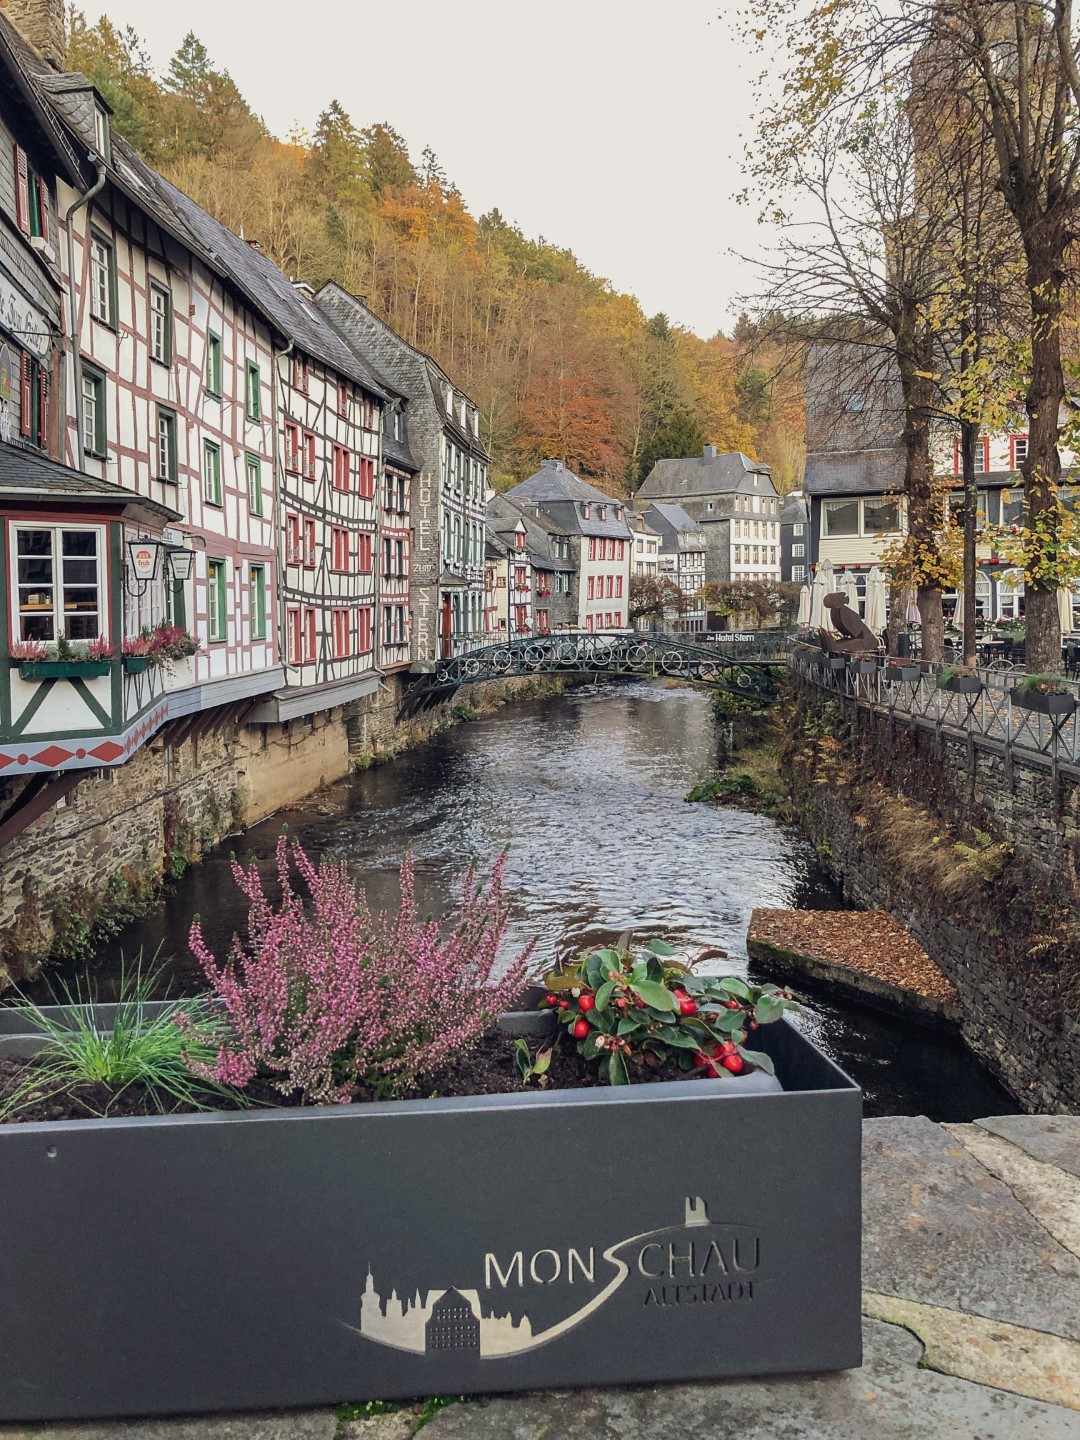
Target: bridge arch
[(749, 669)]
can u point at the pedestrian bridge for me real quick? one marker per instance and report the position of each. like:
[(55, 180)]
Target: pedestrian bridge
[(747, 664)]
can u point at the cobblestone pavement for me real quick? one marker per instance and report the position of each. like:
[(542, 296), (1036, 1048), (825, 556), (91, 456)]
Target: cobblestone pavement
[(971, 1268)]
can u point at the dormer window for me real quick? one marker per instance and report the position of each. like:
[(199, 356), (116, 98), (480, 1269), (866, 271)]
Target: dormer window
[(586, 511), (101, 131), (521, 539), (603, 512)]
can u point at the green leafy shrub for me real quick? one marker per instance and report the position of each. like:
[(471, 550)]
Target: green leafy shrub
[(633, 1014)]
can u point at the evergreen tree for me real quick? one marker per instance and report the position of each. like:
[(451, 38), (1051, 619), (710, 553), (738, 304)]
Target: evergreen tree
[(386, 162), (679, 436)]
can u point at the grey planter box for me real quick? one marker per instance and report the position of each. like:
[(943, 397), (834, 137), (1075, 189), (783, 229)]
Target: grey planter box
[(901, 674), (1043, 704), (836, 663), (865, 667), (301, 1257), (963, 685)]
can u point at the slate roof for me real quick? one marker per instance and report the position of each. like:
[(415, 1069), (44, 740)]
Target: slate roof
[(562, 494), (23, 474), (22, 65), (287, 308), (415, 374), (399, 454), (676, 517), (553, 481), (703, 475), (793, 510), (854, 472)]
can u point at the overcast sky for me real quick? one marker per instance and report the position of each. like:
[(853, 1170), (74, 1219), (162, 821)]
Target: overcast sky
[(611, 127)]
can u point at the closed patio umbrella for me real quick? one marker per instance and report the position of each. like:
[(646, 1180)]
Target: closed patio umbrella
[(849, 586), (803, 617), (911, 615), (1065, 613), (958, 611), (875, 601), (823, 584)]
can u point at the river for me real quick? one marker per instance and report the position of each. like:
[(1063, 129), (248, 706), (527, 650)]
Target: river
[(585, 790)]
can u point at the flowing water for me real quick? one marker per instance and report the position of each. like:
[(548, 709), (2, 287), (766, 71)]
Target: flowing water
[(585, 790)]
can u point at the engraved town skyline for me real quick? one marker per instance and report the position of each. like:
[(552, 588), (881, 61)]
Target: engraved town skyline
[(453, 1318)]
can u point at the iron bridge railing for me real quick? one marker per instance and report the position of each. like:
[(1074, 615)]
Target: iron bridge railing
[(749, 667)]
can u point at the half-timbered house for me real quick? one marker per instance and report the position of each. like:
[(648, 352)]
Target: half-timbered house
[(449, 491), (598, 536)]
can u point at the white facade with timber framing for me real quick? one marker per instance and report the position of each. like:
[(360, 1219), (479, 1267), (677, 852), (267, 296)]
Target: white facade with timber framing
[(449, 485), (330, 434)]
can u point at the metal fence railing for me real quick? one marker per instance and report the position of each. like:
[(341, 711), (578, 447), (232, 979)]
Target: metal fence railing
[(910, 690)]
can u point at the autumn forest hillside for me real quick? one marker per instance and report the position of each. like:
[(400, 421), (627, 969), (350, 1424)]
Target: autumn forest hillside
[(558, 362)]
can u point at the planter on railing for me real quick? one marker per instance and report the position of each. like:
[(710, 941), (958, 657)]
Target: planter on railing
[(837, 664), (865, 667), (963, 685), (901, 674), (137, 664), (1043, 703), (289, 1257), (62, 669)]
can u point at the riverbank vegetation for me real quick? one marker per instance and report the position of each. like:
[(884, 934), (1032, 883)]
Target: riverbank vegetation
[(750, 776)]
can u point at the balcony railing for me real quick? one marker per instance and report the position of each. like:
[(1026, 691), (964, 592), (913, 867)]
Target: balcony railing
[(991, 715)]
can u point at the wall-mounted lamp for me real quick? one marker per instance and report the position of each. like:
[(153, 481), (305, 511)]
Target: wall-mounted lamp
[(144, 555), (180, 562)]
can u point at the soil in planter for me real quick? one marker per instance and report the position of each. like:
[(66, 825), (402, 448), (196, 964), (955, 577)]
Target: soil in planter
[(489, 1070)]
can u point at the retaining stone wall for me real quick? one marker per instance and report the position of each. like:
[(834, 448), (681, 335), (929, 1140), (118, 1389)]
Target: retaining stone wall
[(1009, 942)]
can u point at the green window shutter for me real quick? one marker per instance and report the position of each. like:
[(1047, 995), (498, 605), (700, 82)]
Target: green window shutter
[(257, 602), (254, 400), (254, 484), (216, 622), (213, 363), (169, 344), (114, 301)]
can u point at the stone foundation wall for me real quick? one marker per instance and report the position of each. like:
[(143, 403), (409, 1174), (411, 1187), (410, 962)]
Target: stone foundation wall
[(976, 852), (100, 855)]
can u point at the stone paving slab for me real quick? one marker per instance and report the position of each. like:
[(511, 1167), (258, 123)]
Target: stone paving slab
[(1054, 1139), (1051, 1195), (1008, 1357), (940, 1229), (890, 1398), (277, 1425)]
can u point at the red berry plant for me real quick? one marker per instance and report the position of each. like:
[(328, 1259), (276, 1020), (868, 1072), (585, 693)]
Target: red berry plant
[(325, 999), (633, 1014)]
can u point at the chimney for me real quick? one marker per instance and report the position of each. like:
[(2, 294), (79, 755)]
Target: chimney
[(708, 454), (551, 465), (41, 25)]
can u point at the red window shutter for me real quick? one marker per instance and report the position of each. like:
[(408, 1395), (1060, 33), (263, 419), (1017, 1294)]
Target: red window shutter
[(27, 405), (22, 191)]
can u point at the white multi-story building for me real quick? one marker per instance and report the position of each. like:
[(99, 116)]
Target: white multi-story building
[(645, 555), (734, 501)]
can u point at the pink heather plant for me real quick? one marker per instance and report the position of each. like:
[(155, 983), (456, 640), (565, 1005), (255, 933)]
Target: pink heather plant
[(325, 997)]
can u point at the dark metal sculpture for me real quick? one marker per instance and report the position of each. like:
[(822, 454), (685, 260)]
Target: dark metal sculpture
[(856, 636)]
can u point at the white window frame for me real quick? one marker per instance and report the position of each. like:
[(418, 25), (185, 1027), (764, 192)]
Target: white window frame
[(56, 610), (160, 339)]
